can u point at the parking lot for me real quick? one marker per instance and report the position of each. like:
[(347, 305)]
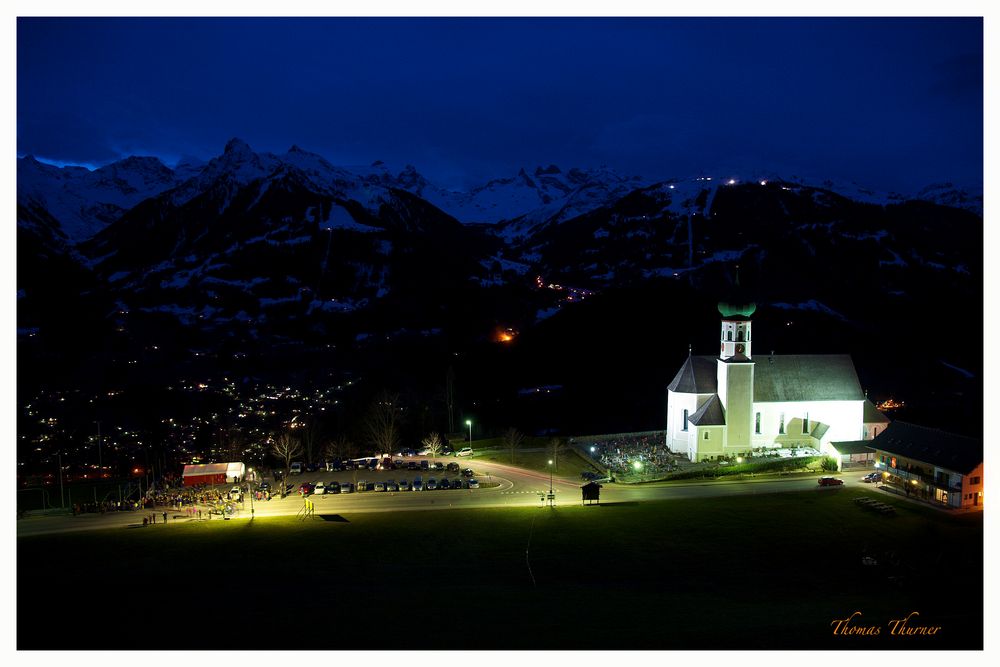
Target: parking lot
[(382, 476)]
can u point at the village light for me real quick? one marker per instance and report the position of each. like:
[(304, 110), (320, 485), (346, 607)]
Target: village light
[(739, 459), (468, 422), (637, 465)]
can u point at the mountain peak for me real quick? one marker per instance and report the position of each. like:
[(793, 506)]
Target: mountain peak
[(551, 169), (237, 146)]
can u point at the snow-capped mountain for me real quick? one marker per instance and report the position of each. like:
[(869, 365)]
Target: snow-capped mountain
[(84, 201), (525, 200)]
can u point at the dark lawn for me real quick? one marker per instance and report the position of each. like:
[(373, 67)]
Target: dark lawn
[(767, 571)]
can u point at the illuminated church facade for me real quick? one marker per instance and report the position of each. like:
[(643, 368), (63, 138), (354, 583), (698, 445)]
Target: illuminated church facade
[(720, 407)]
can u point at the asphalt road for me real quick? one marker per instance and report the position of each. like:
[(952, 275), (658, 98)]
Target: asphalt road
[(517, 488)]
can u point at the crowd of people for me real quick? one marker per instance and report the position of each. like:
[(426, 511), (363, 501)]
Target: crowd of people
[(620, 454)]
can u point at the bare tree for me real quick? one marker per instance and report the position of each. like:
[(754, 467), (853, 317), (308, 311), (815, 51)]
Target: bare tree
[(381, 424), (311, 433), (512, 440), (555, 448), (285, 447), (433, 443)]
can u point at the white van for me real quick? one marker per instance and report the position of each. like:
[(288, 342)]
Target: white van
[(464, 451), (296, 469)]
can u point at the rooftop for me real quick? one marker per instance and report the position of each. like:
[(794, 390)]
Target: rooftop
[(930, 445)]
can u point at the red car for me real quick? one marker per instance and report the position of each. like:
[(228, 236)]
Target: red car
[(307, 489), (830, 481)]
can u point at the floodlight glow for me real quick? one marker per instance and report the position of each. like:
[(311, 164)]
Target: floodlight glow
[(550, 461), (739, 459), (593, 449), (468, 422), (637, 465)]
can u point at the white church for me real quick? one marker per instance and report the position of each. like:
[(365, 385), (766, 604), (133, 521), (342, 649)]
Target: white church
[(726, 406)]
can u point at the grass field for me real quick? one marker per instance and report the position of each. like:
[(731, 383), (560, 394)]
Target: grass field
[(760, 571), (570, 464)]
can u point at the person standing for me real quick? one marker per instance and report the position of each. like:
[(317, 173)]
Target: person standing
[(164, 518)]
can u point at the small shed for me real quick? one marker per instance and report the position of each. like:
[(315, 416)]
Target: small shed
[(591, 492), (213, 473)]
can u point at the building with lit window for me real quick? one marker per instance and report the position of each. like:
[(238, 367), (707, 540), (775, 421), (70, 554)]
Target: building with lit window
[(930, 464), (723, 406)]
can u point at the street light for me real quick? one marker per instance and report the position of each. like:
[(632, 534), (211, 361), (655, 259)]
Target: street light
[(468, 422), (550, 480)]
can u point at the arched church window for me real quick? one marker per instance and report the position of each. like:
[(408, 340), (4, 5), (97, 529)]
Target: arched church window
[(739, 335), (706, 435), (729, 335), (757, 425), (685, 426), (781, 424)]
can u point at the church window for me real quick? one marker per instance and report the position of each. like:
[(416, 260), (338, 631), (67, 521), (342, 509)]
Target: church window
[(781, 424), (685, 426), (805, 423), (729, 335), (706, 435), (739, 335), (757, 425)]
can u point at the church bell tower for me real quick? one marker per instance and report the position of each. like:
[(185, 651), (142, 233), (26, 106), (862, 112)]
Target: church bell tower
[(735, 371)]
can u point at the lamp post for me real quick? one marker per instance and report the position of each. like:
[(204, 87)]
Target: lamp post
[(550, 476), (468, 422)]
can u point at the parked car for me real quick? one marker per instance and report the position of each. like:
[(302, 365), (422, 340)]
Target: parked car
[(320, 489), (235, 493), (346, 487), (830, 481), (412, 465), (432, 484), (312, 467), (399, 464), (380, 486), (464, 451), (362, 486), (438, 465), (444, 484), (447, 450), (589, 475), (408, 452), (404, 485), (418, 484), (871, 477), (385, 464), (460, 484), (333, 487), (391, 486), (453, 467), (296, 469), (373, 464), (265, 486), (467, 472), (473, 483), (306, 488), (333, 466), (425, 465), (424, 452)]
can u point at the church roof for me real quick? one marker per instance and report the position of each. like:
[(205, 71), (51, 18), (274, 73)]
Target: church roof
[(929, 445), (805, 377), (709, 414), (696, 376), (872, 414), (780, 377)]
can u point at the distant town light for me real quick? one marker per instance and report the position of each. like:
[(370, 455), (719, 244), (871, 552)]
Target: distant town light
[(763, 182), (731, 181), (637, 465)]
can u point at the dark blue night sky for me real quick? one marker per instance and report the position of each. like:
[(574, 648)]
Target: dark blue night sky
[(890, 103)]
